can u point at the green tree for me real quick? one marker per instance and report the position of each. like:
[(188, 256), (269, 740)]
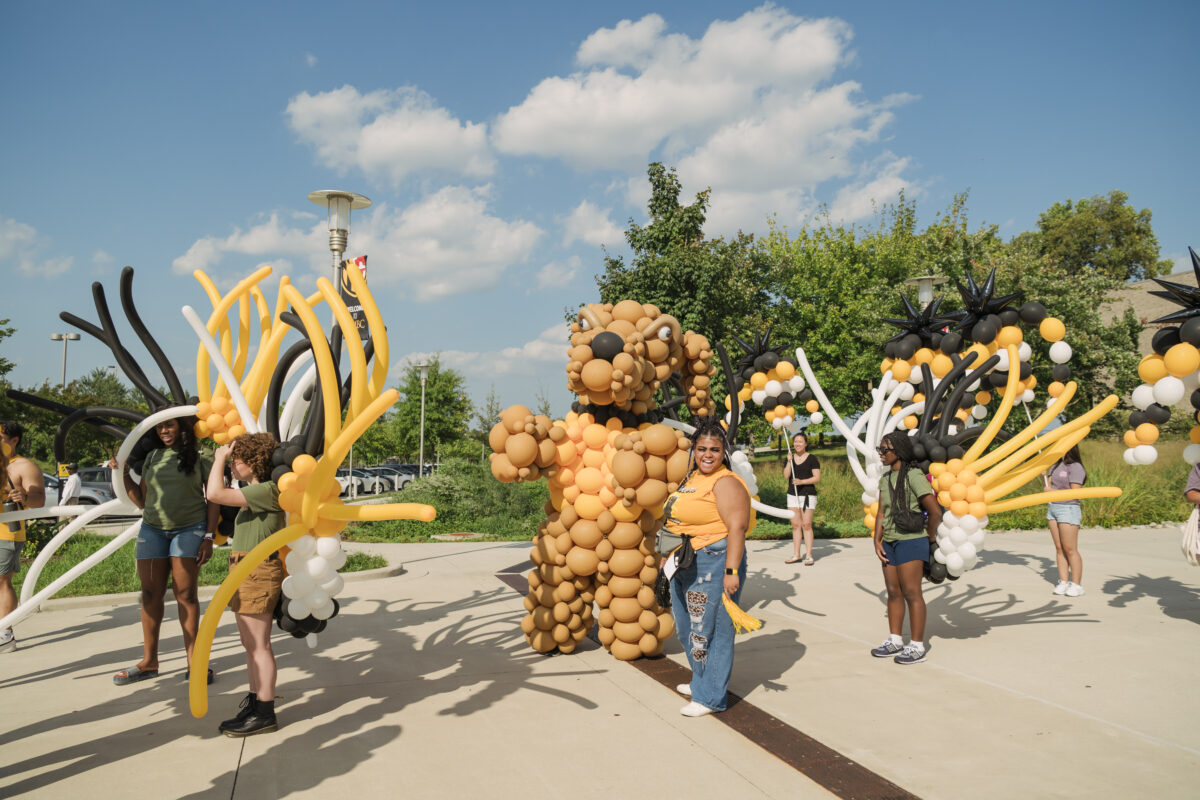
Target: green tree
[(712, 286), (447, 409), (1102, 234), (5, 332)]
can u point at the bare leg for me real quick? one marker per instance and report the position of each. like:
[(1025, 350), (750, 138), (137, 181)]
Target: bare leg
[(255, 631), (797, 534), (1059, 557), (8, 597), (806, 523), (911, 574), (895, 601), (152, 573), (1068, 537), (184, 572)]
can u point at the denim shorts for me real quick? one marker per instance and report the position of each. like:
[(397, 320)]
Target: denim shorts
[(183, 542), (1070, 513), (904, 550)]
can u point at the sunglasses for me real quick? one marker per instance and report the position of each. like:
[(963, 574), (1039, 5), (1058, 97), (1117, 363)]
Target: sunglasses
[(883, 450)]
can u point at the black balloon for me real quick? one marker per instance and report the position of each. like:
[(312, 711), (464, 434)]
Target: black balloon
[(1025, 370), (1009, 316), (937, 453), (786, 398), (1158, 414), (1060, 373), (607, 345), (770, 359), (769, 403), (1196, 399), (951, 343), (998, 379), (905, 349), (1137, 418), (919, 451), (1190, 331), (984, 332), (1032, 312), (1164, 339), (955, 451)]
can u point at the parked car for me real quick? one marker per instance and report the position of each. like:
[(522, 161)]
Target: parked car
[(89, 495), (346, 479), (385, 479), (97, 479), (404, 474)]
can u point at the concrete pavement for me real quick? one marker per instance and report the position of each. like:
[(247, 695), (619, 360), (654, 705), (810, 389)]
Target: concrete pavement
[(424, 686)]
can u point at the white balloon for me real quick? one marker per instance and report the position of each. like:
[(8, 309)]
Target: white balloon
[(738, 457), (1131, 460), (970, 562), (1143, 396), (328, 545), (950, 519), (1002, 365), (954, 562), (1145, 453), (967, 551), (1191, 454), (288, 587), (1024, 351), (915, 377), (317, 565), (974, 387), (729, 417), (316, 598), (777, 423), (758, 395), (1168, 391), (869, 497), (1027, 396), (334, 586), (939, 556), (946, 547), (978, 411), (968, 523), (907, 390), (795, 384), (337, 562), (298, 609), (295, 562), (817, 418), (323, 611), (958, 537), (306, 545), (983, 521), (1060, 352), (976, 538), (302, 583), (773, 388)]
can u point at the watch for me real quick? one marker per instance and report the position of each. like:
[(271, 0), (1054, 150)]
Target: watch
[(731, 571)]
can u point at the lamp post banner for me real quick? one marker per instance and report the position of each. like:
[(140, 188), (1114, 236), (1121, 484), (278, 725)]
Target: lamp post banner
[(353, 304)]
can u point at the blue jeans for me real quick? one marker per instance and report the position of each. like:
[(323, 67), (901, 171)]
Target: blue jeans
[(703, 624)]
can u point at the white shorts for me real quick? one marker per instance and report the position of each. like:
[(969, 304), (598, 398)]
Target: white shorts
[(803, 501)]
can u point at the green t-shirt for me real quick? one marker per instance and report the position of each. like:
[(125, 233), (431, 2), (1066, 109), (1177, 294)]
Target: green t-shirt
[(918, 487), (261, 517), (174, 499)]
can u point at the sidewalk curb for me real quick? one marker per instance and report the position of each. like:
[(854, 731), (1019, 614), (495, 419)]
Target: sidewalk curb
[(205, 593)]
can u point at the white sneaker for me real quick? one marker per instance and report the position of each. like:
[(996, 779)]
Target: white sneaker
[(684, 689), (8, 641), (1061, 587), (1074, 590), (694, 709)]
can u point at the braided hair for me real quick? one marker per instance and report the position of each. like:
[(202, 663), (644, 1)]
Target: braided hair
[(902, 445), (712, 427)]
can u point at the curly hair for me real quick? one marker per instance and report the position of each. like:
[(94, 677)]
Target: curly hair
[(186, 445), (712, 427), (255, 450)]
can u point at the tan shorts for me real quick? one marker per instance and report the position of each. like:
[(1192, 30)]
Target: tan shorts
[(259, 593)]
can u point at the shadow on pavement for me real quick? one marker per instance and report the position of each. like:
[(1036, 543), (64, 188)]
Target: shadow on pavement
[(1176, 599)]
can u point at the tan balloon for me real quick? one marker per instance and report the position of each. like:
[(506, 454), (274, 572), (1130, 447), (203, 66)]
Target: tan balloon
[(582, 561), (625, 563), (521, 449)]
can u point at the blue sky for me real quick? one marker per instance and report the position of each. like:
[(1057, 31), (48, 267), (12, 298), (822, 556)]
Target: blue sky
[(504, 144)]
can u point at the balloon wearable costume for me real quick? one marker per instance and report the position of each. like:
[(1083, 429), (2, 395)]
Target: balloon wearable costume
[(610, 465), (1168, 374), (322, 417), (939, 385)]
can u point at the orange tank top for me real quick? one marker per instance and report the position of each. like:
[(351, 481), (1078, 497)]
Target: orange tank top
[(692, 508)]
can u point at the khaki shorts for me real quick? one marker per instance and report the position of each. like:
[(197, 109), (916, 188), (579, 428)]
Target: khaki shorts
[(259, 593)]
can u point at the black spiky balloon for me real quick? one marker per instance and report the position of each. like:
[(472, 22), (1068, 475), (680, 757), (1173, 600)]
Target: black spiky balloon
[(1181, 294), (759, 355), (926, 323), (979, 305)]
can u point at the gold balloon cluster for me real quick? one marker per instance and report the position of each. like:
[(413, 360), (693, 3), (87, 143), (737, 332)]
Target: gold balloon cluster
[(309, 492), (620, 354), (609, 470)]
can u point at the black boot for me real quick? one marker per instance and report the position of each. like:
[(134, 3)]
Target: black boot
[(247, 708), (261, 720)]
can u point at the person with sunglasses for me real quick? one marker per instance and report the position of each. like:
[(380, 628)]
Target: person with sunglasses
[(904, 553)]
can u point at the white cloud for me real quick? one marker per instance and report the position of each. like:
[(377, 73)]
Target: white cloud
[(272, 238), (860, 199), (530, 358), (101, 258), (21, 244), (557, 274), (590, 224), (389, 132), (310, 59)]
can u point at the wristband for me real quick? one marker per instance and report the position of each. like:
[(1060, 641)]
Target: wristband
[(731, 571), (208, 537)]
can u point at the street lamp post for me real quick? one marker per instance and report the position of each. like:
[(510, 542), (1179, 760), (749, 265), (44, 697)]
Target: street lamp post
[(925, 284), (339, 204), (424, 370), (64, 338)]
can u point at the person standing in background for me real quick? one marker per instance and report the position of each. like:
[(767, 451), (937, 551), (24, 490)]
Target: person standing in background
[(24, 487)]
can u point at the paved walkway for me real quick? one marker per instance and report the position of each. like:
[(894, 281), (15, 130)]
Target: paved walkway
[(423, 687)]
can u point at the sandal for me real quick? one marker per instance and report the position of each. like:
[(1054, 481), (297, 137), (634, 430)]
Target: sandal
[(133, 675), (187, 674), (808, 562), (792, 561)]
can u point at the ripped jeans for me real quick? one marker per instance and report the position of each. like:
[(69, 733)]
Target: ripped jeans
[(703, 624)]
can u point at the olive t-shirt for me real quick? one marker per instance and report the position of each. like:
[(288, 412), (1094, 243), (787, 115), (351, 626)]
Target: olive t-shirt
[(261, 517), (918, 487), (174, 499)]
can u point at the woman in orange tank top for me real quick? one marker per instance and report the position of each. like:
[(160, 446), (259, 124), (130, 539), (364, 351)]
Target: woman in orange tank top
[(712, 509)]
